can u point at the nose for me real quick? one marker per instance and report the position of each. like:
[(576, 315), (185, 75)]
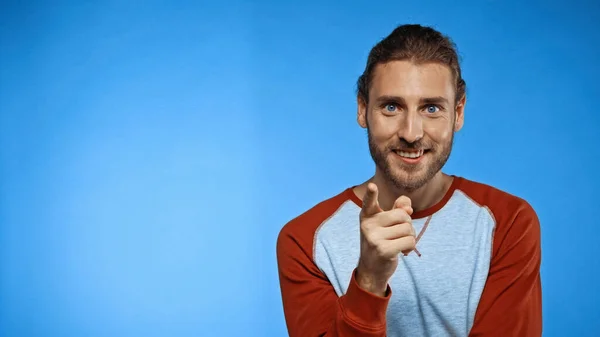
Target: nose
[(411, 128)]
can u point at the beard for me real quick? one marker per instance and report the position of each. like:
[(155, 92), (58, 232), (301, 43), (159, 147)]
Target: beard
[(406, 177)]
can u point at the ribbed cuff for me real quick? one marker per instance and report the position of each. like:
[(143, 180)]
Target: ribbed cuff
[(363, 307)]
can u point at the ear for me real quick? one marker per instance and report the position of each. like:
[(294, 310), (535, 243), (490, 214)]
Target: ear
[(361, 112), (460, 114)]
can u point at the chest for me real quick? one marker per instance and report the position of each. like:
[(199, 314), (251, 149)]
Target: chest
[(435, 293)]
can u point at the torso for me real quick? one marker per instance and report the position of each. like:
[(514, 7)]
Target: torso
[(435, 294)]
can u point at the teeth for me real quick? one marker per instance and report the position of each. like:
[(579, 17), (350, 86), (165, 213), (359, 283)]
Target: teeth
[(410, 154)]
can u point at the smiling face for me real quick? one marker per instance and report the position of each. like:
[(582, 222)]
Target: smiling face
[(411, 117)]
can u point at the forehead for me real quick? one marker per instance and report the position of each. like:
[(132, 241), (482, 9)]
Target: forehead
[(411, 81)]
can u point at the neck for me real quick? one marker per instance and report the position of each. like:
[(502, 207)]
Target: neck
[(424, 197)]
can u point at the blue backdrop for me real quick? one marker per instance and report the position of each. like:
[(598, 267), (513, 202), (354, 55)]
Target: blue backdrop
[(150, 154)]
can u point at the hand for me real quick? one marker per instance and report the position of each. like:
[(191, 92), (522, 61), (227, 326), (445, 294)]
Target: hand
[(383, 235)]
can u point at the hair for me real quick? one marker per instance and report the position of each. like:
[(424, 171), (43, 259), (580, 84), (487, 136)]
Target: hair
[(415, 43)]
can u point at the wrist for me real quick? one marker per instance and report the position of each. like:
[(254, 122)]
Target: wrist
[(371, 283)]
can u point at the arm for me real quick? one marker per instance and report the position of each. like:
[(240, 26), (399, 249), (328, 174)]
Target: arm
[(511, 302), (311, 305)]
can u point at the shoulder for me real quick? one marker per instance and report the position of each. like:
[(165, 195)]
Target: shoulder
[(515, 219), (301, 230), (501, 204)]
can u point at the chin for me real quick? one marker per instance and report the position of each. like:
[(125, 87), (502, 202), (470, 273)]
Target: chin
[(409, 177), (410, 183), (406, 180)]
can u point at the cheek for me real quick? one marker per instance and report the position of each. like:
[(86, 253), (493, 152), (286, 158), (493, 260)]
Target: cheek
[(439, 133), (383, 130)]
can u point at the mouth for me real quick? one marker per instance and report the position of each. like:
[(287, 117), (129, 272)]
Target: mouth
[(410, 156)]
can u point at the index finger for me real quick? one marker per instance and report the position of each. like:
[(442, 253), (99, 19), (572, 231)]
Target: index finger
[(370, 204)]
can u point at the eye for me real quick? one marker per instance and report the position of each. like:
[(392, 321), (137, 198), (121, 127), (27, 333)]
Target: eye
[(390, 108), (432, 109)]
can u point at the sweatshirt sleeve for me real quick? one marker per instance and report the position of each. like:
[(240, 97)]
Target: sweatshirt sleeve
[(511, 302), (311, 306)]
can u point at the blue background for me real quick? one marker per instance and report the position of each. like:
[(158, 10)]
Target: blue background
[(150, 154)]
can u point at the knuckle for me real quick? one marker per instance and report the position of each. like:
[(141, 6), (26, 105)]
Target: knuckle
[(402, 230), (404, 215), (412, 242), (407, 243), (398, 215), (407, 228), (380, 250), (366, 225), (369, 235)]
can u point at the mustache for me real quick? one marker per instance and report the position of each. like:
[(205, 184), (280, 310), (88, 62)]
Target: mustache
[(403, 144)]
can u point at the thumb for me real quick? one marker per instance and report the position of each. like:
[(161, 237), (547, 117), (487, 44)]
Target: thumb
[(370, 204), (404, 203)]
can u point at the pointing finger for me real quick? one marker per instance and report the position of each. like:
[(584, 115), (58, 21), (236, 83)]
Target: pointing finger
[(370, 204)]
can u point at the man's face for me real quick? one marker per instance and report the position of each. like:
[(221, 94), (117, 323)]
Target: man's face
[(411, 118)]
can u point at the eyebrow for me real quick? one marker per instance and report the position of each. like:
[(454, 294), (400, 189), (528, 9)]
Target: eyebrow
[(422, 101), (433, 100)]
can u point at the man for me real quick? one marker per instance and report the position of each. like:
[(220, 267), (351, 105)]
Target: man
[(412, 251)]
